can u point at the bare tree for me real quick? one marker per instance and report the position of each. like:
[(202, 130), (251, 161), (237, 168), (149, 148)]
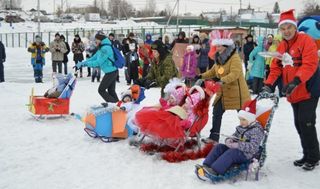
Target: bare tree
[(150, 9), (59, 11), (311, 8), (120, 8), (14, 4)]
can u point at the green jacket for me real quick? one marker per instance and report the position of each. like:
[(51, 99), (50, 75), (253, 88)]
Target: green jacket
[(163, 71)]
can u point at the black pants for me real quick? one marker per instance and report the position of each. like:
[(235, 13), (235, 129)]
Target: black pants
[(1, 72), (145, 70), (217, 113), (65, 64), (246, 64), (211, 63), (257, 84), (305, 119), (133, 72), (109, 83), (202, 70), (54, 66), (96, 73)]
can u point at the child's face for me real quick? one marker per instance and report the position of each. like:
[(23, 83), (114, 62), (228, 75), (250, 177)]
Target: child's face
[(126, 99), (243, 122), (172, 100)]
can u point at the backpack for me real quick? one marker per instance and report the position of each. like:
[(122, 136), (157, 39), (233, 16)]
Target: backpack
[(119, 61)]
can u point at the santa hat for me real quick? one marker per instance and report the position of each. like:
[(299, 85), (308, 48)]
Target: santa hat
[(179, 93), (221, 37), (287, 17), (248, 111)]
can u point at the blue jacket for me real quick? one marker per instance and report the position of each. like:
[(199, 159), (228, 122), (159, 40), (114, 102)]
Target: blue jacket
[(102, 58), (258, 62), (2, 53)]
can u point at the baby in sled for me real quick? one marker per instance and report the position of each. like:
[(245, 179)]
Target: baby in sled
[(60, 82)]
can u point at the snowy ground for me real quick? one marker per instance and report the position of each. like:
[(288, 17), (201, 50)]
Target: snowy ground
[(56, 153)]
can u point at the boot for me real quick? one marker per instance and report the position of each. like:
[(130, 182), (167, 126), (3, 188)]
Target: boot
[(309, 166), (299, 162)]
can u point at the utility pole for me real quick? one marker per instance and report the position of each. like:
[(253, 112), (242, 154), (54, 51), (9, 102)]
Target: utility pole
[(240, 12), (11, 19), (62, 5), (54, 7), (178, 14), (38, 17), (119, 11)]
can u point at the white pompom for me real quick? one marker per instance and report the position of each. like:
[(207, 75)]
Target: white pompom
[(247, 109)]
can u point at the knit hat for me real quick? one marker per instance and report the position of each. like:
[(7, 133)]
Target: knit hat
[(179, 94), (111, 34), (125, 94), (100, 36), (221, 37), (38, 38), (160, 47), (77, 35), (248, 111), (287, 17), (57, 34)]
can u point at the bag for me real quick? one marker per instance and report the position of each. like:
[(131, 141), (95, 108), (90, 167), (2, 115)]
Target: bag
[(313, 84), (119, 61)]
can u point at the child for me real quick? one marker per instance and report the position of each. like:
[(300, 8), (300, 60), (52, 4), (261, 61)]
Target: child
[(239, 148), (90, 51), (59, 84), (132, 64), (189, 65)]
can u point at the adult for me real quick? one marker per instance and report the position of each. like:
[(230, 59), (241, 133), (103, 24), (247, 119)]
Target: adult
[(247, 48), (203, 59), (57, 49), (38, 49), (166, 39), (2, 60), (227, 70), (162, 66), (65, 58), (77, 50), (127, 41), (181, 39), (104, 59), (298, 65), (269, 41)]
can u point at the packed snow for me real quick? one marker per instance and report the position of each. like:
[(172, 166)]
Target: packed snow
[(57, 153)]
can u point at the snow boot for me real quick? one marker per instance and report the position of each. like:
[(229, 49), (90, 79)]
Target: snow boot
[(309, 166), (299, 162)]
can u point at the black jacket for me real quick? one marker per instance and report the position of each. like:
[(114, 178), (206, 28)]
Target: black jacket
[(2, 53), (125, 45), (65, 59), (247, 48)]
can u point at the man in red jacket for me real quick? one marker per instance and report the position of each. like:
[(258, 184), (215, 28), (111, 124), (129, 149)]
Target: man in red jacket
[(298, 65)]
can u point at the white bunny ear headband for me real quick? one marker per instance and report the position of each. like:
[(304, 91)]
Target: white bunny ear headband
[(221, 37), (173, 83)]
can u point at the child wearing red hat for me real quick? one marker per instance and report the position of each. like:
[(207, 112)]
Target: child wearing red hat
[(239, 148)]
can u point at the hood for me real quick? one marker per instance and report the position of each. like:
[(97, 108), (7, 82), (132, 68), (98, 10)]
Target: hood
[(106, 41), (141, 96), (260, 41), (311, 26), (169, 37)]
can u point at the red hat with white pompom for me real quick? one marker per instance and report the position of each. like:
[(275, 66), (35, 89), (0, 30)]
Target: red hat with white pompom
[(287, 17), (248, 111)]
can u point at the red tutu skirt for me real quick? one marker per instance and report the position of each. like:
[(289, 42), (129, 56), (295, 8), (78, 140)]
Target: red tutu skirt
[(159, 123)]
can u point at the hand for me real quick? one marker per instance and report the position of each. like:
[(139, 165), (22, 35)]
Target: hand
[(288, 89), (215, 79), (233, 145), (228, 141), (266, 89), (197, 77)]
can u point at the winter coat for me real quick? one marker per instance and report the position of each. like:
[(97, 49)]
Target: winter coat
[(57, 49), (33, 49), (250, 138), (247, 48), (272, 48), (77, 50), (234, 90), (125, 45), (102, 58), (116, 44), (163, 71), (183, 40), (189, 66), (145, 53), (2, 53), (65, 58), (257, 61), (304, 53), (203, 59), (148, 41)]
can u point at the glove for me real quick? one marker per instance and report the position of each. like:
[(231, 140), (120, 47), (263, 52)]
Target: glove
[(267, 89), (215, 79), (233, 145), (288, 89), (197, 77), (287, 60)]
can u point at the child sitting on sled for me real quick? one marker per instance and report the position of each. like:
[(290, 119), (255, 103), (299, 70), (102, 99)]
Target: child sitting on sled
[(239, 148), (60, 82)]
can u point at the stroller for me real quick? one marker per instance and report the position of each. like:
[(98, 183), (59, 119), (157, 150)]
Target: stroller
[(184, 144), (40, 106), (264, 116)]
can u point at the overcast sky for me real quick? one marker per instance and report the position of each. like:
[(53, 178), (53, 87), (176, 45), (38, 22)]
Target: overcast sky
[(194, 6)]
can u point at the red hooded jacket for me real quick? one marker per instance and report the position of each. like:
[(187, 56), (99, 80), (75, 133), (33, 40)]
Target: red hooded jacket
[(303, 50)]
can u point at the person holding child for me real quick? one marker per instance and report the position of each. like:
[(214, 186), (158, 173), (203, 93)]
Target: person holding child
[(240, 147)]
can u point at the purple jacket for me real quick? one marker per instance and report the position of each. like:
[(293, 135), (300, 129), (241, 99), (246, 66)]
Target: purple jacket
[(251, 138), (189, 66)]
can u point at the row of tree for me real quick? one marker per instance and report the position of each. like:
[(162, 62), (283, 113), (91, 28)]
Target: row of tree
[(10, 4)]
